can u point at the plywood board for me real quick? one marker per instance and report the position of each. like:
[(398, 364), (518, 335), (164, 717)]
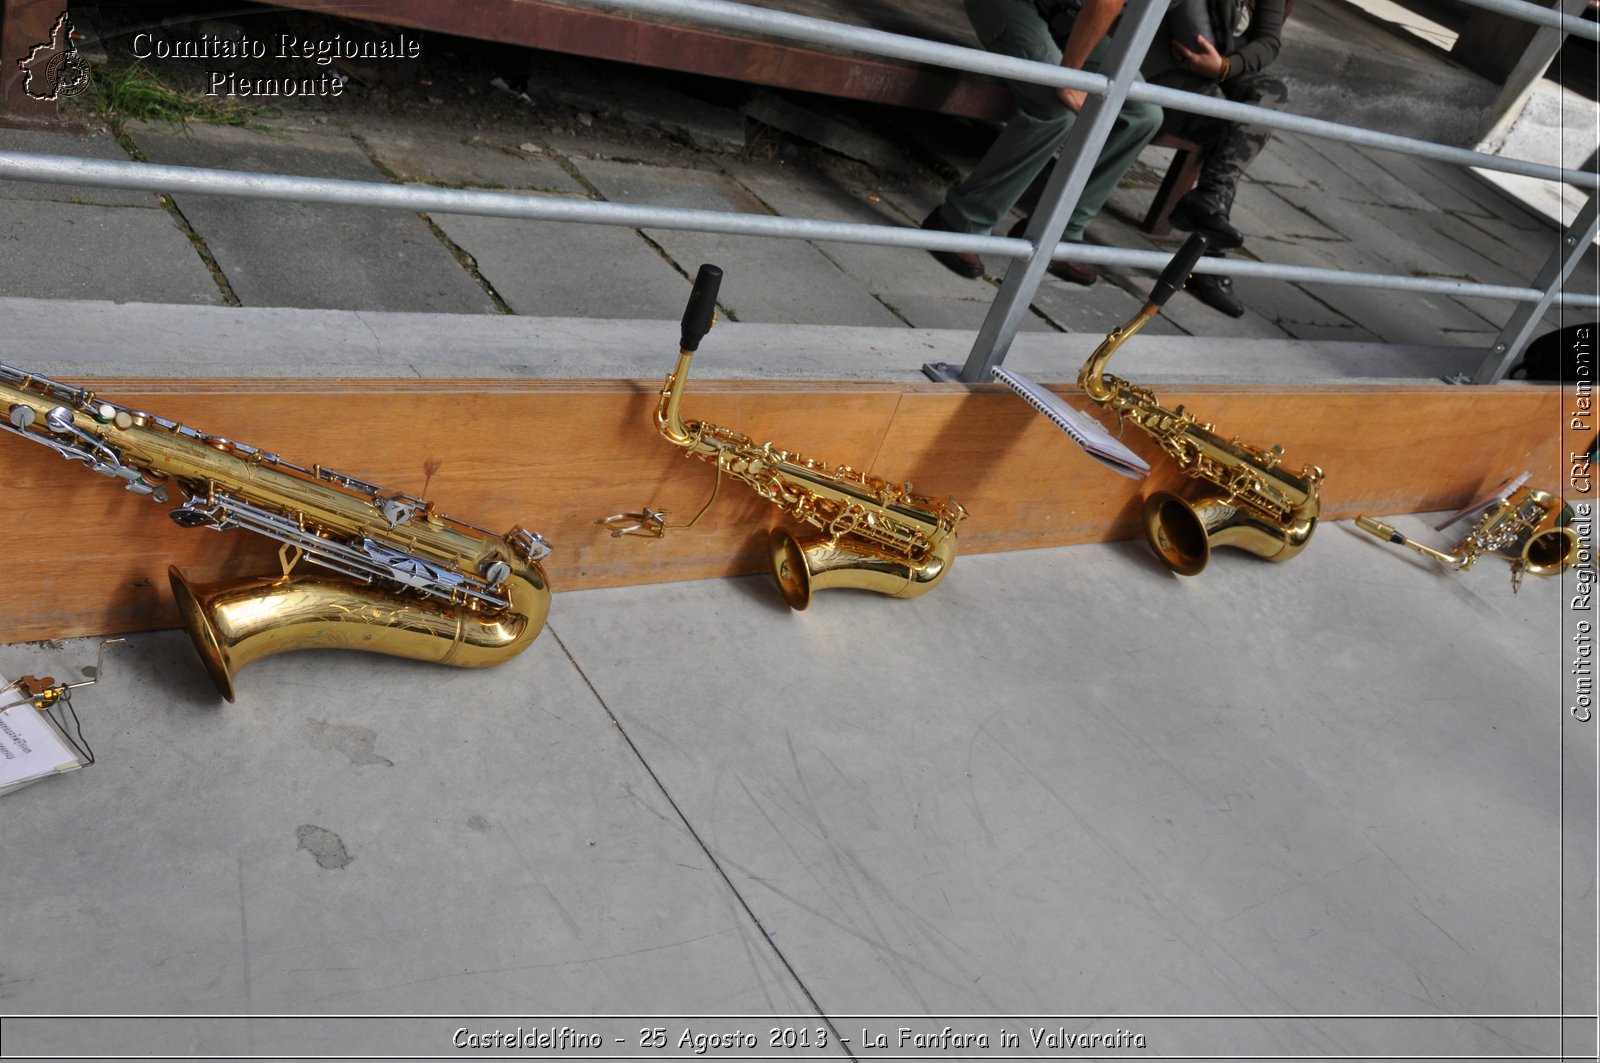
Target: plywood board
[(555, 456)]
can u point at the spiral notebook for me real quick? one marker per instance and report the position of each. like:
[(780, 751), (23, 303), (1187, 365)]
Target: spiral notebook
[(1080, 427)]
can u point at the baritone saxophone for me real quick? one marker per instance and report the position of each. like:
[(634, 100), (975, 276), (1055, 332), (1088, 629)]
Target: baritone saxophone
[(400, 579), (1245, 498), (876, 535)]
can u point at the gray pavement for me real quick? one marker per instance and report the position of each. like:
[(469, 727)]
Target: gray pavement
[(1307, 796), (1066, 782), (1306, 202)]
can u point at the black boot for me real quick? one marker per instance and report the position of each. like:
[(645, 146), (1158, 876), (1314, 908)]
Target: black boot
[(1216, 291), (1207, 210)]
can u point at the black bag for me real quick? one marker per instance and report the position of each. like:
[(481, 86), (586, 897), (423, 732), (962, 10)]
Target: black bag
[(1188, 19), (1564, 354)]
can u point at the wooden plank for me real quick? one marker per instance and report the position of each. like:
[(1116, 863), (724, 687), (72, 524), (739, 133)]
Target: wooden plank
[(715, 53), (88, 558), (1385, 450)]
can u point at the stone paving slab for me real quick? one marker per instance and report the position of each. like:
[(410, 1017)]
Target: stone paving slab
[(910, 283), (1410, 317), (1492, 201), (81, 251), (432, 157), (1302, 165), (1524, 255), (1333, 334), (308, 255), (944, 312), (1277, 165), (1408, 241), (555, 269), (1377, 185), (1532, 250), (649, 146), (1288, 304), (1278, 212), (764, 280), (89, 146), (1317, 254), (1096, 309), (1497, 312), (1442, 187), (336, 856), (971, 859)]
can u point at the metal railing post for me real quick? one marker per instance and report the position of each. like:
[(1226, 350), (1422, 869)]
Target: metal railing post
[(1061, 193), (1562, 261)]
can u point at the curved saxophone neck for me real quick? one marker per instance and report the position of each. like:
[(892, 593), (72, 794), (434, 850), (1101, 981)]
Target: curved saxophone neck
[(669, 420), (1092, 377), (698, 317), (1389, 533)]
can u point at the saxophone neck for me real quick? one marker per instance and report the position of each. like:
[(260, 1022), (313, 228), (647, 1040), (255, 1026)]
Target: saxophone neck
[(1389, 533), (698, 317), (669, 419), (1092, 377)]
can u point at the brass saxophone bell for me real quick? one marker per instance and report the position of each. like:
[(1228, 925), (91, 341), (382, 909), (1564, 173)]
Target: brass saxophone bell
[(235, 622), (1183, 530), (829, 563)]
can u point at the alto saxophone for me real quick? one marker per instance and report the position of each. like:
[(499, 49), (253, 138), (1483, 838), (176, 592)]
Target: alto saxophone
[(1247, 500), (1527, 528), (410, 582), (876, 535)]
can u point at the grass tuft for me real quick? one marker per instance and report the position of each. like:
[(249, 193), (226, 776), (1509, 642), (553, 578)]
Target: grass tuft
[(134, 94)]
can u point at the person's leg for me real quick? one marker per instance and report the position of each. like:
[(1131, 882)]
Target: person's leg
[(1238, 144), (1034, 132), (1135, 125), (1200, 208)]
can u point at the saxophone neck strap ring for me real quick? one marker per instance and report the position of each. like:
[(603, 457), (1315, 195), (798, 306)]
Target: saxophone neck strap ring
[(652, 523), (648, 524), (55, 699)]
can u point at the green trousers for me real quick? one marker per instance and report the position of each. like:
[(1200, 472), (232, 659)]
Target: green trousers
[(1037, 130)]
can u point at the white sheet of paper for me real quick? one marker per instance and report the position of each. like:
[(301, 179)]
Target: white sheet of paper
[(30, 748)]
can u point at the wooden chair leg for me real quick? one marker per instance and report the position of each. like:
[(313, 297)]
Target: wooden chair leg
[(1181, 177)]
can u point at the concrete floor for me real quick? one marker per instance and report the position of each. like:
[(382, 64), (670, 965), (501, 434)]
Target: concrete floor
[(1065, 783)]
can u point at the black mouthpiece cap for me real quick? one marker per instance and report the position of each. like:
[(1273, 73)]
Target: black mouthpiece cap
[(702, 306), (1178, 270)]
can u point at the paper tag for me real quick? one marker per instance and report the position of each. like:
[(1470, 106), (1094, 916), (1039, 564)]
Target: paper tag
[(30, 747)]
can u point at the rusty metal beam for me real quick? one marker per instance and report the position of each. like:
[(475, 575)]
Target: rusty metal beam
[(670, 46)]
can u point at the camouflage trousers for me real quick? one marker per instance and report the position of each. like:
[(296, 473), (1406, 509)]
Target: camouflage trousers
[(1226, 147)]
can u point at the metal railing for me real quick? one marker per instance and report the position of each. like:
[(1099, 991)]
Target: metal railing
[(1030, 256)]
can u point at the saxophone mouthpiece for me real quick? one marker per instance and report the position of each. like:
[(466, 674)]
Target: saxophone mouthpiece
[(1387, 532), (1177, 272), (701, 313)]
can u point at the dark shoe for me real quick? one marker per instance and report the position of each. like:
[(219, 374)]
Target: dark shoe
[(963, 265), (1072, 272), (1208, 212), (1216, 292)]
